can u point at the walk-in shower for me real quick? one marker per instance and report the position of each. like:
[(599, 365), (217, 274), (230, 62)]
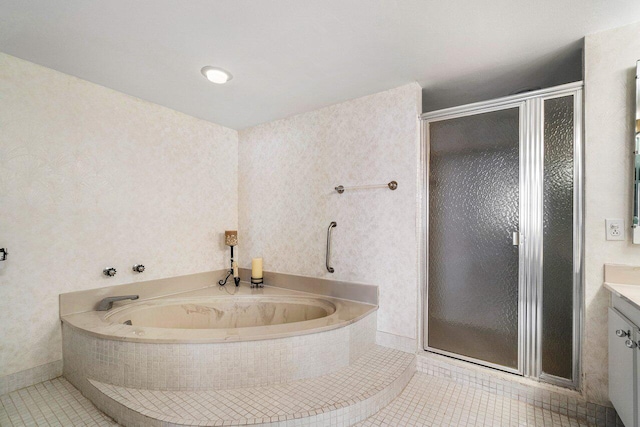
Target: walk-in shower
[(503, 233)]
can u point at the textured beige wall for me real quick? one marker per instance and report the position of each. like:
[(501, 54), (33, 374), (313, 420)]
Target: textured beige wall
[(610, 59), (288, 169), (91, 178)]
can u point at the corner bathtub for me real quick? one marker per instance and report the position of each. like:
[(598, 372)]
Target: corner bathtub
[(216, 338)]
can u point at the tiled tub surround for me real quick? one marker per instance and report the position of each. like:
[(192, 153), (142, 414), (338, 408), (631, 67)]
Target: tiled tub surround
[(203, 359), (213, 365)]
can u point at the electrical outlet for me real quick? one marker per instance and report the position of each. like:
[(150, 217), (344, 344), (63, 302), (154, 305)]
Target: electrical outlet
[(615, 229)]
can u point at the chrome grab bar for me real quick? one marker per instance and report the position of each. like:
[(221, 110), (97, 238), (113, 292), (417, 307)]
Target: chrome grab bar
[(329, 268)]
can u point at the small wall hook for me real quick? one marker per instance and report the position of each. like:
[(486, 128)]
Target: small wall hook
[(4, 253)]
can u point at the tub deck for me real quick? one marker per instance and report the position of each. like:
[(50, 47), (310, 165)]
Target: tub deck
[(104, 324)]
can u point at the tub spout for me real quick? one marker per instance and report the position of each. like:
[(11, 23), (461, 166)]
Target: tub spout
[(107, 303)]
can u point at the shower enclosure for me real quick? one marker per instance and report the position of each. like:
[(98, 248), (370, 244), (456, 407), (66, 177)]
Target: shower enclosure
[(503, 233)]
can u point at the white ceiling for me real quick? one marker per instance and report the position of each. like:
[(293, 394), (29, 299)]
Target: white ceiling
[(291, 56)]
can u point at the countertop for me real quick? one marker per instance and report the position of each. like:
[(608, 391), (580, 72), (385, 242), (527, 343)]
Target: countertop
[(630, 293), (624, 282)]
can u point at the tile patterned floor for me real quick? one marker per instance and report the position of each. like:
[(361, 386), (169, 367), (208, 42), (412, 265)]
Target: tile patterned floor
[(427, 401), (433, 401), (51, 403)]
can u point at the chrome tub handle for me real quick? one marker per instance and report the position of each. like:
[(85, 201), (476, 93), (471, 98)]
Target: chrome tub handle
[(331, 226)]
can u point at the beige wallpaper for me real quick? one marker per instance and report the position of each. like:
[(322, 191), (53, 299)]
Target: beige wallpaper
[(288, 169), (91, 178), (610, 59)]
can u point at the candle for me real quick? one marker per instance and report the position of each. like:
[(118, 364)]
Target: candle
[(235, 269), (256, 268)]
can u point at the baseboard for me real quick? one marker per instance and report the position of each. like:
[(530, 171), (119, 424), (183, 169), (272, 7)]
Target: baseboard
[(397, 342), (29, 377)]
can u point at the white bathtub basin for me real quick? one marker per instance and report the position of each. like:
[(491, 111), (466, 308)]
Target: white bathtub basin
[(221, 313)]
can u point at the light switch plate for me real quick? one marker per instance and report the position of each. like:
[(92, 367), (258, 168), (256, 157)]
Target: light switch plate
[(615, 228)]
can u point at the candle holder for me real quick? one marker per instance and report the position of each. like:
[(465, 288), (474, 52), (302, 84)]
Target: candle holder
[(257, 282), (231, 240)]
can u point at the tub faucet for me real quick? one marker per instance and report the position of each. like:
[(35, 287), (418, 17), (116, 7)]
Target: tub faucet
[(107, 303)]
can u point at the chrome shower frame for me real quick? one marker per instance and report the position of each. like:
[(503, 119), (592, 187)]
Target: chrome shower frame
[(531, 110)]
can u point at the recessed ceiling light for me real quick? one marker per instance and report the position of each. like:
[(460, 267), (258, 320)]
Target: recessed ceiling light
[(216, 75)]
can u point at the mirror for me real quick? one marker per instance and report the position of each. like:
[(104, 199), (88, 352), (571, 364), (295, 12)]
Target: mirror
[(636, 170)]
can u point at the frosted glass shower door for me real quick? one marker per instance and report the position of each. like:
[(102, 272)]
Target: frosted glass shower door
[(504, 229), (473, 263), (557, 287)]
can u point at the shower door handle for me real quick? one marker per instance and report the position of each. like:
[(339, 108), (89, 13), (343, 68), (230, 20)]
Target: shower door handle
[(516, 238)]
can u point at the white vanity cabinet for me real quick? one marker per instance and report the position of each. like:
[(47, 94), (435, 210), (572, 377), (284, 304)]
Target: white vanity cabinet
[(623, 355), (624, 360)]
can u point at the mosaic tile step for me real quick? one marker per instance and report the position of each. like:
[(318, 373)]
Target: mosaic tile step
[(341, 399)]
